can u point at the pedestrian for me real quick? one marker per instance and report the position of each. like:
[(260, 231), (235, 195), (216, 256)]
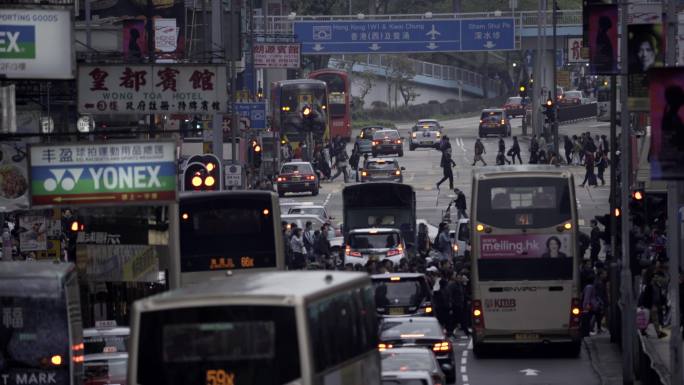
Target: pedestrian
[(447, 163), (444, 242), (589, 176), (298, 151), (444, 143), (322, 246), (601, 164), (595, 240), (354, 162), (542, 148), (457, 295), (577, 151), (583, 241), (479, 151), (460, 203), (588, 302), (298, 250), (601, 295), (502, 150), (285, 151), (500, 159), (341, 163), (567, 143), (308, 237), (515, 151), (651, 300), (534, 150), (423, 240), (605, 144)]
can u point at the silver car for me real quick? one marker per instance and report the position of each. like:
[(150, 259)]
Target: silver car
[(425, 133)]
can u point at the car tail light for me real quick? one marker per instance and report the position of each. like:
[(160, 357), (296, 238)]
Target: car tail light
[(383, 347), (441, 347), (478, 316), (375, 143), (575, 313), (503, 121), (281, 179), (398, 141), (311, 177), (348, 252)]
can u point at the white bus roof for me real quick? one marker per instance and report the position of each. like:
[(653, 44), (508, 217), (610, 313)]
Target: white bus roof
[(35, 269), (504, 171), (278, 287)]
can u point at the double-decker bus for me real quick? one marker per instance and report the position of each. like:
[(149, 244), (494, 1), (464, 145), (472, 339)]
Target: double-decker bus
[(228, 230), (525, 265), (41, 334), (288, 100), (339, 100), (270, 328)]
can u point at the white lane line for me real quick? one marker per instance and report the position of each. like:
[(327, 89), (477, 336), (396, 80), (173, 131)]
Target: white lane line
[(463, 344), (470, 345), (464, 378), (464, 360), (465, 353), (463, 369), (327, 199)]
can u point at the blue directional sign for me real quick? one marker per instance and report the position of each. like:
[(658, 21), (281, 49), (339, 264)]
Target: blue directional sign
[(397, 36), (487, 34), (255, 112), (381, 36)]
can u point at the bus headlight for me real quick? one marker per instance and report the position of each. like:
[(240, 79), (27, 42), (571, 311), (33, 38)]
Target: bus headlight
[(480, 227)]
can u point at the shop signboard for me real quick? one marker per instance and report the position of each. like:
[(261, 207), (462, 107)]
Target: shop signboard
[(277, 55), (152, 89), (86, 174)]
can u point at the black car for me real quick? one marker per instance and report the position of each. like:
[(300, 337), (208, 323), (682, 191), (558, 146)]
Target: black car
[(364, 141), (419, 331), (381, 170), (386, 142), (402, 294), (494, 121), (297, 177)]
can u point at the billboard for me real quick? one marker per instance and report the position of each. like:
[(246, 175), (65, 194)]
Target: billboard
[(525, 246), (575, 46), (14, 185), (134, 40), (36, 44), (73, 174), (277, 55), (646, 48), (603, 42), (150, 89), (666, 94)]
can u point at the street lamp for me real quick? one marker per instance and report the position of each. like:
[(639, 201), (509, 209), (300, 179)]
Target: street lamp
[(428, 15)]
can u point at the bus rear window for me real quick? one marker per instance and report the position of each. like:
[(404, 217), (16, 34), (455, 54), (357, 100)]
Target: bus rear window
[(249, 344), (523, 202)]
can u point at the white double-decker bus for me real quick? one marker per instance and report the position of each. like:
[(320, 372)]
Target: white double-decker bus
[(265, 328), (525, 267)]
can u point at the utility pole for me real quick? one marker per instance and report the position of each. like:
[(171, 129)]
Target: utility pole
[(217, 41), (612, 263), (536, 89), (554, 123), (673, 225), (627, 293)]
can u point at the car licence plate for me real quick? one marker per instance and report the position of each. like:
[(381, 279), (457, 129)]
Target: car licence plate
[(396, 311), (427, 142), (526, 337)]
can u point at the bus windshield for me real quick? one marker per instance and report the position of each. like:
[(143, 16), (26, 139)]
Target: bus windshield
[(295, 96), (248, 344), (533, 202)]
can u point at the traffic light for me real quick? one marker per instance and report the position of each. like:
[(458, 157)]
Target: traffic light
[(311, 119), (522, 90), (260, 92), (549, 112), (255, 153), (76, 226), (202, 173)]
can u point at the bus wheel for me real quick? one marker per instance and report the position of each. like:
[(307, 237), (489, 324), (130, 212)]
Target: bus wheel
[(573, 349)]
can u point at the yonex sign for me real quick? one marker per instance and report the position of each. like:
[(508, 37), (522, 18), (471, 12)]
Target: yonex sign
[(17, 42)]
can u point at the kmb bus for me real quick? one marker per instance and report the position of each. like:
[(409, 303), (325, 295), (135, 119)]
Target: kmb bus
[(525, 265), (339, 100), (273, 328), (228, 230)]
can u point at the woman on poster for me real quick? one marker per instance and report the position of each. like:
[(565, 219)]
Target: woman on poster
[(553, 245)]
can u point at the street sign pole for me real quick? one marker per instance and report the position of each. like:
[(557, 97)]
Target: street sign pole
[(554, 124), (217, 41), (613, 265), (536, 89)]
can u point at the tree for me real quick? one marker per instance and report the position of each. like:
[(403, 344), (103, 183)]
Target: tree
[(365, 80), (408, 93), (400, 71)]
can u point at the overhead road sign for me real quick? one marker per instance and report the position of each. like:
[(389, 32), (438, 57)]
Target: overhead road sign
[(255, 112), (398, 36)]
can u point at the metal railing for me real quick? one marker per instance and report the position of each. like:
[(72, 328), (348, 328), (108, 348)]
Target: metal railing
[(283, 24)]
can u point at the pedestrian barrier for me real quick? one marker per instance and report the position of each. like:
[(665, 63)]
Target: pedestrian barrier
[(567, 114)]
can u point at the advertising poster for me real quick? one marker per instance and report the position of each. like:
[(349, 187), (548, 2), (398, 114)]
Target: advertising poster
[(524, 246), (36, 44), (149, 89), (646, 50), (32, 233), (575, 50), (585, 18), (134, 40), (165, 38), (603, 32), (73, 174), (277, 55), (119, 263), (13, 177), (666, 94)]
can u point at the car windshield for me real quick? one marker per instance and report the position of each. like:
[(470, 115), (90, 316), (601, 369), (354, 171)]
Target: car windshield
[(302, 168), (368, 132), (491, 116), (386, 134), (410, 329), (307, 210), (573, 95), (515, 100), (374, 241), (381, 165), (407, 361)]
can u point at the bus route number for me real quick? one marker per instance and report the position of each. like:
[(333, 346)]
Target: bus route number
[(220, 377)]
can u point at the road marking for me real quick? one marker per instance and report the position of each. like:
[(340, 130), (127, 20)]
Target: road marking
[(530, 372), (327, 199), (463, 369), (464, 378), (465, 353), (470, 345), (464, 360)]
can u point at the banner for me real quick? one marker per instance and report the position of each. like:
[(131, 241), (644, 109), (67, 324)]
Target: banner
[(150, 89), (666, 94), (603, 43), (575, 50), (646, 50), (73, 174), (525, 246), (277, 55), (13, 177), (36, 44), (118, 263), (134, 40)]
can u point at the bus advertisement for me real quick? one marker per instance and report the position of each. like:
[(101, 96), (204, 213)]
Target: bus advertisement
[(525, 265), (339, 100)]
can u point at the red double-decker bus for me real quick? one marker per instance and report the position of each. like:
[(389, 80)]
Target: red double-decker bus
[(339, 100)]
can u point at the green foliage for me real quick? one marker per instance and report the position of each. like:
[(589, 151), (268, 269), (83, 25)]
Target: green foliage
[(357, 124)]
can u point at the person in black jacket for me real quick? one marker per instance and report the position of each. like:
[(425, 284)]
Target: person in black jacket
[(515, 151), (447, 163), (460, 203), (502, 150)]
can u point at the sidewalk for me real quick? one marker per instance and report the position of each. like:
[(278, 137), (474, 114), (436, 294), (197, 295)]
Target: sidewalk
[(658, 351), (605, 357)]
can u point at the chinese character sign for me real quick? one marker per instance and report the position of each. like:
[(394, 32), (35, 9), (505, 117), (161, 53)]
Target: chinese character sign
[(149, 89), (275, 55), (103, 173)]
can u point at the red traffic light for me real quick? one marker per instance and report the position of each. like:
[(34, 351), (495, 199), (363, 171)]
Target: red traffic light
[(638, 195), (306, 111)]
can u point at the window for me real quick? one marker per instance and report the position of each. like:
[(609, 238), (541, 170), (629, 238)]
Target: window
[(343, 327), (302, 168), (382, 166), (374, 241), (406, 292), (385, 134)]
